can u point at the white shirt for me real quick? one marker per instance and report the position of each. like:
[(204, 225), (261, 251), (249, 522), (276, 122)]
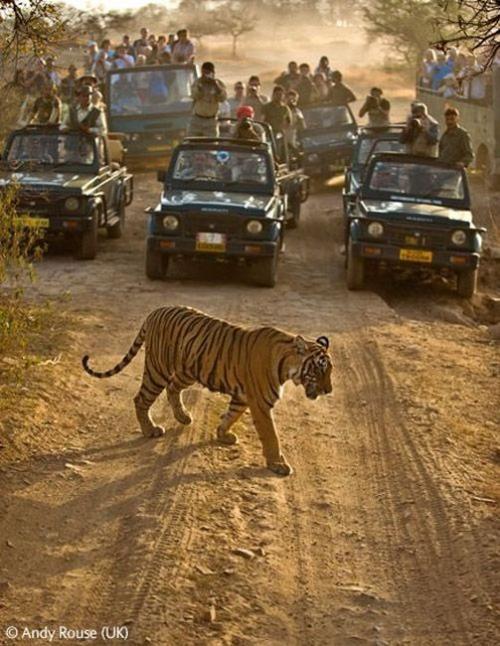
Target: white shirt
[(100, 127)]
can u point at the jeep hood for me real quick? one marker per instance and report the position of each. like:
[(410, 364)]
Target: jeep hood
[(314, 139), (216, 201), (415, 211), (44, 180)]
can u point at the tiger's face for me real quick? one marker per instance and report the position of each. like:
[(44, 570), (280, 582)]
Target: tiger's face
[(316, 367)]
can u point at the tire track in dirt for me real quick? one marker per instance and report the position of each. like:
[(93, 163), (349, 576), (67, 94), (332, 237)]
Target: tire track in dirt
[(416, 522)]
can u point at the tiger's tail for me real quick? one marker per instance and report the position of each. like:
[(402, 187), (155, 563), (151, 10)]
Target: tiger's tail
[(134, 349)]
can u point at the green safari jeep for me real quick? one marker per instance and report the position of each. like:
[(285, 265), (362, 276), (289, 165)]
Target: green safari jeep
[(69, 184)]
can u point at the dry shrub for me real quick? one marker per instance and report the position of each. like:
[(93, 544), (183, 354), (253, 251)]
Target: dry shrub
[(19, 249)]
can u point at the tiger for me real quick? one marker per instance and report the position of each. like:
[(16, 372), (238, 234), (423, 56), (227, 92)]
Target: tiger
[(184, 346)]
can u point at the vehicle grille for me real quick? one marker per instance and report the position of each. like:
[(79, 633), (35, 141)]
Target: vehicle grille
[(416, 237), (36, 202), (195, 223)]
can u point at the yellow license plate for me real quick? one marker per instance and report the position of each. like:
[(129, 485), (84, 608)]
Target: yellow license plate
[(210, 242), (415, 255), (32, 223), (159, 148)]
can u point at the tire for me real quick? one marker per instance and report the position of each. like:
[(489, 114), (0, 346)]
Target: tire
[(116, 230), (156, 264), (467, 283), (86, 244), (295, 205), (355, 275), (264, 271)]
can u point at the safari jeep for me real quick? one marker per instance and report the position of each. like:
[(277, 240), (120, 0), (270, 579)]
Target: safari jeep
[(328, 138), (221, 200), (151, 105), (69, 184), (413, 213), (369, 141)]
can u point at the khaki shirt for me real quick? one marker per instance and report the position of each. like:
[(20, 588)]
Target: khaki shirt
[(277, 115), (207, 96), (455, 146)]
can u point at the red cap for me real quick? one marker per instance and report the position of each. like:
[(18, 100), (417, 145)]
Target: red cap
[(245, 112)]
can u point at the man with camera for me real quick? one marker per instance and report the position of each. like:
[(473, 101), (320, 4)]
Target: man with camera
[(377, 108), (208, 93), (421, 133), (246, 128)]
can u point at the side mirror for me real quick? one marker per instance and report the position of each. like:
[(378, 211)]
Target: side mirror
[(161, 175)]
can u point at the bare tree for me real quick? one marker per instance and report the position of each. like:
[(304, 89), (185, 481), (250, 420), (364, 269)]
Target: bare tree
[(237, 18), (474, 23), (409, 26)]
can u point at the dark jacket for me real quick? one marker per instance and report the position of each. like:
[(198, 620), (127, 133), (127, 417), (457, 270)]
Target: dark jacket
[(455, 146), (307, 91)]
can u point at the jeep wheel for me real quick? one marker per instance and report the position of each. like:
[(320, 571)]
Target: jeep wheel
[(156, 263), (355, 269), (116, 230), (467, 283), (294, 209), (264, 271), (86, 243)]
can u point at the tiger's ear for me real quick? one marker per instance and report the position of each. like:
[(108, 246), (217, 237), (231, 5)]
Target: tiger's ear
[(300, 344), (323, 341)]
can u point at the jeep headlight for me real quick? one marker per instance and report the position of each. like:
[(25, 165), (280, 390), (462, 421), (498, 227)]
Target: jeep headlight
[(459, 237), (72, 204), (375, 229), (254, 226), (170, 222), (313, 158)]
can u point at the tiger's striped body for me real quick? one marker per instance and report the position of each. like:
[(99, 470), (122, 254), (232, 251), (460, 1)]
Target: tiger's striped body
[(184, 346)]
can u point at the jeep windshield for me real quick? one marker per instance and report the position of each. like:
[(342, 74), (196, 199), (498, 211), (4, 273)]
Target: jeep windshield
[(150, 90), (326, 117), (416, 182), (213, 169), (51, 149), (369, 146)]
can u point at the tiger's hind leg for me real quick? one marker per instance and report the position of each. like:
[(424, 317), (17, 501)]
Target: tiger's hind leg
[(174, 395), (149, 391), (236, 409)]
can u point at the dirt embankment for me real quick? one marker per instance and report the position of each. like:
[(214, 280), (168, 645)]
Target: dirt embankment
[(386, 534)]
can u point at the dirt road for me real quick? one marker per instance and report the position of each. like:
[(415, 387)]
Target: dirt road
[(386, 534)]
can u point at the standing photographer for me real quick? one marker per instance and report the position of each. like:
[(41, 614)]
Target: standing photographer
[(377, 108), (208, 93), (421, 133)]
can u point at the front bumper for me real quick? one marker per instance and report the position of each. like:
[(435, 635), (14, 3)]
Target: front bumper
[(55, 225), (438, 258), (234, 249)]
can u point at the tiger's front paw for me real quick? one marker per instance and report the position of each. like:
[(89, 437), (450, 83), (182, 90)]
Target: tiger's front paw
[(226, 437), (153, 431), (282, 468)]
